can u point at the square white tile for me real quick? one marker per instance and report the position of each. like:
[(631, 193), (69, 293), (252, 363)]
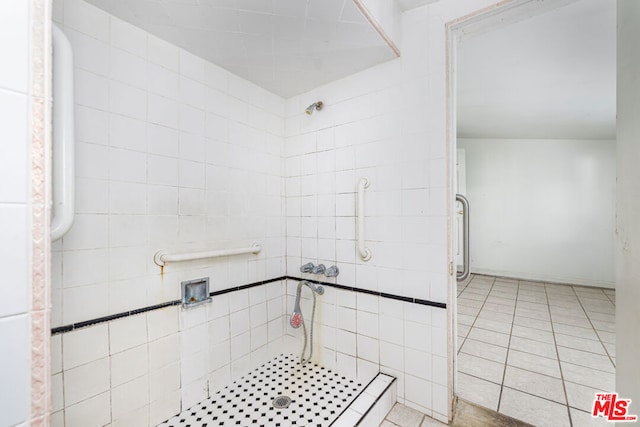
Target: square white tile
[(534, 410)]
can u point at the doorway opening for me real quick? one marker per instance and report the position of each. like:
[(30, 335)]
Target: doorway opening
[(534, 107)]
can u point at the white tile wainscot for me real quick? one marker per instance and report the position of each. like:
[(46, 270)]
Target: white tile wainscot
[(359, 335), (143, 369)]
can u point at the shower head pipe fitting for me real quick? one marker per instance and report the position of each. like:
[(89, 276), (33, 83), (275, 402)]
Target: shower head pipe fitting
[(317, 106)]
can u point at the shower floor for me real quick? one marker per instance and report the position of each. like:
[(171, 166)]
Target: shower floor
[(318, 397)]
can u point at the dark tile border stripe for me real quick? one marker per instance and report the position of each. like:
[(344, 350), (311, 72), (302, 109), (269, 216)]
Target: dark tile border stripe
[(86, 323), (74, 326), (376, 293)]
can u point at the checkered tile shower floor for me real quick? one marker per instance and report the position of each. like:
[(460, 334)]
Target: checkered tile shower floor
[(318, 396)]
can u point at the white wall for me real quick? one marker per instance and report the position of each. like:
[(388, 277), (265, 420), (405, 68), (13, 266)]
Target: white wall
[(628, 192), (542, 209)]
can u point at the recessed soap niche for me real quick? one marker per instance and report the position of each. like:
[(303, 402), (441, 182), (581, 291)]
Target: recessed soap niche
[(195, 292)]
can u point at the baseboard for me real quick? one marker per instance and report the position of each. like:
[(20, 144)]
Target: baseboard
[(544, 278)]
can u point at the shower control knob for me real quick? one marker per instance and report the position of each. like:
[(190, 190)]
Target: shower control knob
[(307, 268), (332, 271), (319, 269)]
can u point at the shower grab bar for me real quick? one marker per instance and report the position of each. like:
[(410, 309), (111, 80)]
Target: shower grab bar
[(63, 136), (465, 237), (162, 257), (365, 253)]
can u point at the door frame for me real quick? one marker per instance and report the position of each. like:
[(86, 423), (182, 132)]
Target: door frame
[(484, 19)]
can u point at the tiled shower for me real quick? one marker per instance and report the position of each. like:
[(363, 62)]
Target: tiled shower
[(174, 152)]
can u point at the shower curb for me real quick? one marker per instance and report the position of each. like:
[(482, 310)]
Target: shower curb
[(372, 404)]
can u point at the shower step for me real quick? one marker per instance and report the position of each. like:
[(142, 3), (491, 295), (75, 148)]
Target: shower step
[(372, 405)]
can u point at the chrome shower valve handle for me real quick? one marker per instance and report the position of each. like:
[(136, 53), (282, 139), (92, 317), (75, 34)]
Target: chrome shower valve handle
[(319, 269), (332, 271), (307, 268)]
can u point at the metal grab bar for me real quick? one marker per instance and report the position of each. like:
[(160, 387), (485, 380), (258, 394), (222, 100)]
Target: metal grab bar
[(163, 257), (365, 253), (63, 136), (465, 237)]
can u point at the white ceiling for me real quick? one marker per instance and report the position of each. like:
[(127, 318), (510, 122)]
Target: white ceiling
[(550, 76), (412, 4), (285, 46)]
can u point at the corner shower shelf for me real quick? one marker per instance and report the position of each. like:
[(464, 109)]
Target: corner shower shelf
[(162, 257)]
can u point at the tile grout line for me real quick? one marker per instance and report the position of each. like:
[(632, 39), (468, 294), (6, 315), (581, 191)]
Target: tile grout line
[(528, 370), (613, 301), (548, 295), (594, 328), (555, 343), (477, 315), (468, 280), (464, 339), (537, 396), (513, 319), (572, 336)]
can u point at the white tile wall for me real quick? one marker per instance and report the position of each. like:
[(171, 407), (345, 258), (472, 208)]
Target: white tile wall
[(84, 346), (14, 254), (393, 337), (13, 107), (387, 124), (15, 22), (173, 153), (14, 333), (95, 411), (148, 367), (401, 202), (213, 160), (86, 381), (15, 211), (162, 165)]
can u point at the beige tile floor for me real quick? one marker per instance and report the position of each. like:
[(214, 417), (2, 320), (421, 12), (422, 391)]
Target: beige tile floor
[(403, 416), (535, 351)]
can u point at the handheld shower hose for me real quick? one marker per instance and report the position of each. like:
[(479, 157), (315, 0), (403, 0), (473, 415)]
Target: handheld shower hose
[(296, 318)]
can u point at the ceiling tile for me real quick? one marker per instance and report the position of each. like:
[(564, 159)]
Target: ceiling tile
[(350, 13), (294, 8), (256, 23), (263, 6), (286, 46), (326, 10)]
